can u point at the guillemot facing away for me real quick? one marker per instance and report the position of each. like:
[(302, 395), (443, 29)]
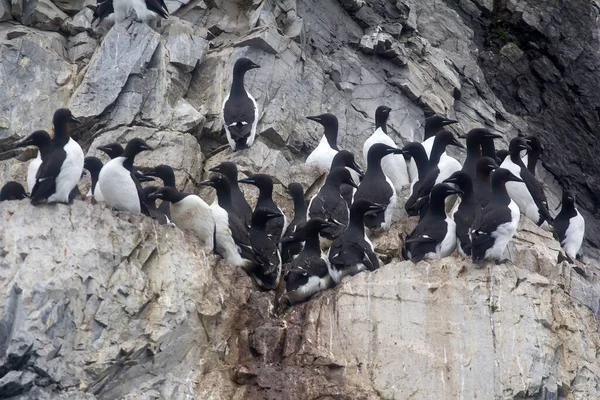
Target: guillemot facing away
[(240, 112), (528, 194), (290, 249), (393, 166), (94, 166), (569, 225), (435, 235), (267, 269), (12, 191), (309, 273), (119, 186), (240, 204), (330, 206), (43, 141), (482, 185), (61, 169), (275, 226), (464, 211), (377, 188), (496, 223), (189, 213), (353, 252), (327, 149)]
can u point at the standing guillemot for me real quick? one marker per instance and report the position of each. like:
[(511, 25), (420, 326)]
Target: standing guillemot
[(12, 191), (151, 205), (532, 157), (232, 238), (353, 252), (119, 186), (345, 158), (94, 166), (290, 249), (240, 204), (145, 10), (419, 158), (43, 141), (501, 155), (435, 235), (264, 183), (438, 170), (464, 211), (477, 139), (240, 111), (61, 169), (189, 213), (267, 269), (166, 174), (496, 223), (528, 194), (330, 206), (482, 185), (309, 273), (327, 149), (569, 225), (114, 150), (393, 166)]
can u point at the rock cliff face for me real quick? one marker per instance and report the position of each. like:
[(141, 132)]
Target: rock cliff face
[(98, 305)]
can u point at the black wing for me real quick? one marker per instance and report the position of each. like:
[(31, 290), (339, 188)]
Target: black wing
[(241, 237), (369, 190), (159, 7), (103, 10), (141, 194), (238, 114), (330, 209), (45, 179), (425, 237), (537, 192), (484, 225), (347, 254), (561, 223), (420, 197), (464, 217), (482, 191)]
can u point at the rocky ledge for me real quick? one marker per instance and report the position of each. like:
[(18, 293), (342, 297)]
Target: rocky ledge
[(98, 305)]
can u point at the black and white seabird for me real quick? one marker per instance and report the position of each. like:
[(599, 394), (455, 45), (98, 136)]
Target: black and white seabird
[(496, 223), (435, 235), (501, 155), (189, 213), (145, 10), (240, 111), (94, 166), (264, 183), (114, 150), (61, 169), (327, 149), (418, 157), (330, 206), (569, 225), (464, 210), (529, 194), (439, 169), (482, 185), (166, 174), (532, 157), (43, 141), (477, 139), (345, 158), (120, 188), (267, 269), (240, 204), (309, 273), (232, 236), (12, 191), (393, 166), (290, 249), (150, 203), (353, 252)]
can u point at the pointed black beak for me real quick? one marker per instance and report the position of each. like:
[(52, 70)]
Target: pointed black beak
[(357, 169), (457, 143), (146, 147), (525, 147), (351, 183), (450, 180), (144, 178), (456, 191), (493, 136), (153, 196), (514, 178), (249, 181), (215, 169), (272, 215), (103, 148), (375, 208), (558, 206), (314, 118), (207, 183), (73, 119), (449, 122), (254, 66), (23, 143)]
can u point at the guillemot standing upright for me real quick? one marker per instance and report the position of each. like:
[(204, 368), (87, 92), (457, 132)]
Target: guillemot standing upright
[(496, 223), (61, 169), (477, 139), (290, 249), (240, 204), (464, 211), (94, 165), (482, 185), (327, 149), (43, 141), (275, 226), (267, 269), (240, 111), (569, 225)]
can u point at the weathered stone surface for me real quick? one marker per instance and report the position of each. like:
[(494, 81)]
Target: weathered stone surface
[(185, 49), (73, 6), (81, 47), (80, 22), (43, 14), (124, 51), (5, 10)]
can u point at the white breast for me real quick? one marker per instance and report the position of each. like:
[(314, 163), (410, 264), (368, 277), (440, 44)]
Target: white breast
[(69, 174), (428, 145), (122, 9), (32, 170), (142, 12), (117, 187), (193, 214), (503, 234), (225, 244), (393, 165), (519, 193), (574, 235), (448, 244), (323, 154), (447, 166)]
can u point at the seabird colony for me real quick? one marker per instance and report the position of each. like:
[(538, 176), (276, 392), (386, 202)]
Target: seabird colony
[(330, 236)]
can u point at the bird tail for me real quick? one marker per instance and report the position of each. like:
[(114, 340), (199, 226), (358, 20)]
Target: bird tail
[(42, 190)]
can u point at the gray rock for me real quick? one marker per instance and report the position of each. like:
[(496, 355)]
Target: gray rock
[(5, 10), (73, 6), (352, 5), (80, 22), (185, 117), (43, 14), (266, 39), (128, 48), (185, 49), (81, 47)]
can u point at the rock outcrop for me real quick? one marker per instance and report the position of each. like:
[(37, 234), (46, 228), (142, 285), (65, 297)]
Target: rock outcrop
[(102, 305)]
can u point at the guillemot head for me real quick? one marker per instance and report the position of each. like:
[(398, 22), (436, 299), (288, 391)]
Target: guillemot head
[(92, 164), (113, 150), (462, 180), (381, 116), (380, 150), (330, 123), (261, 181), (166, 193), (262, 215), (446, 138), (12, 191), (345, 158), (476, 136), (485, 165), (164, 172), (62, 117), (243, 65), (40, 139), (517, 145), (134, 147), (435, 123), (503, 175), (340, 175), (228, 169)]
